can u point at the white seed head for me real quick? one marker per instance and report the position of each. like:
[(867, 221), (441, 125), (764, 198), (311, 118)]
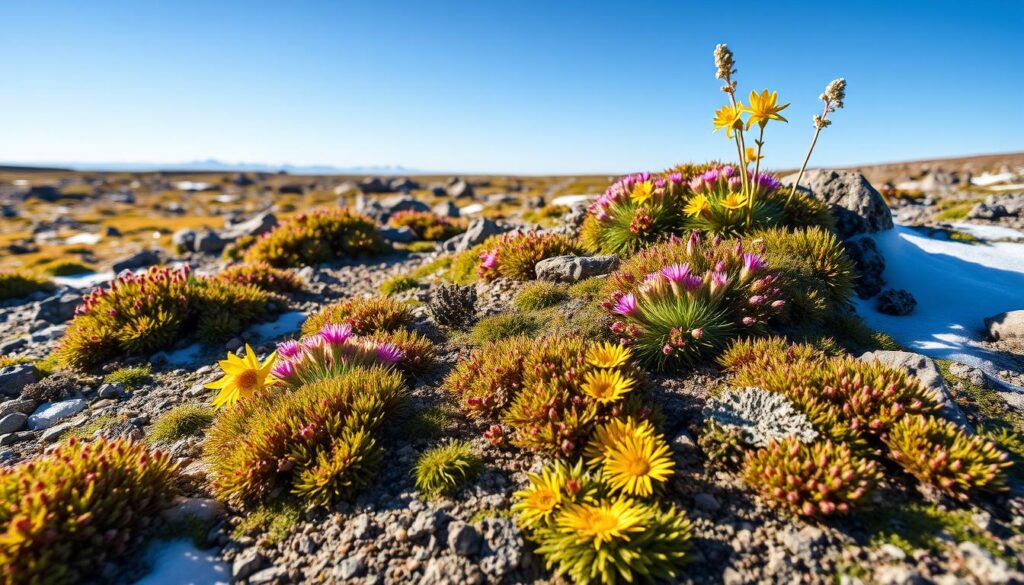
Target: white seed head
[(821, 122), (724, 63), (835, 92)]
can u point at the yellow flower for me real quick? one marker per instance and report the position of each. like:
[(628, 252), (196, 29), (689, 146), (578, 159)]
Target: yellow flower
[(696, 205), (608, 355), (642, 192), (762, 108), (242, 378), (730, 118), (603, 522), (752, 155), (734, 201), (606, 436), (606, 385), (542, 497), (636, 462)]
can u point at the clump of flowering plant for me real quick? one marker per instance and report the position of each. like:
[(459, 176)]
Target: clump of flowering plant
[(682, 311), (515, 256), (717, 203), (330, 353), (635, 212), (428, 225)]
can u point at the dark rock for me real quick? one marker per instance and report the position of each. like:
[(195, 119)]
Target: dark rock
[(478, 231), (987, 211), (13, 422), (58, 308), (291, 188), (184, 240), (574, 268), (398, 203), (401, 234), (870, 264), (47, 193), (463, 539), (858, 208), (373, 185), (256, 225), (446, 209), (140, 259), (209, 242), (459, 188), (403, 184), (897, 302), (451, 305), (13, 379), (242, 180)]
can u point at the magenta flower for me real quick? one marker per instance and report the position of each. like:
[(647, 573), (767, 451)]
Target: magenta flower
[(719, 280), (753, 263), (489, 259), (283, 370), (710, 176), (335, 334), (288, 349), (696, 184), (676, 272), (735, 183), (389, 353), (728, 171), (626, 305), (675, 178), (692, 282)]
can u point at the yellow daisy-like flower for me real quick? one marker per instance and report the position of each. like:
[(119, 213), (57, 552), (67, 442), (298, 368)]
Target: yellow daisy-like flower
[(696, 205), (752, 155), (642, 192), (541, 498), (603, 522), (730, 118), (606, 436), (606, 385), (762, 108), (734, 201), (243, 377), (608, 355), (636, 462)]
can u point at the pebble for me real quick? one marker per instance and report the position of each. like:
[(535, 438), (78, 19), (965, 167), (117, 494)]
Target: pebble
[(706, 502), (48, 414), (463, 539), (113, 390), (245, 564), (14, 421)]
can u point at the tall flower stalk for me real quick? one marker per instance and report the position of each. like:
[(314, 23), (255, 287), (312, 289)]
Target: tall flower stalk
[(834, 96), (725, 65)]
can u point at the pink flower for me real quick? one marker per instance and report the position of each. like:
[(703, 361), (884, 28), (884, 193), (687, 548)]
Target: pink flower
[(676, 272), (489, 259), (696, 184), (288, 349), (753, 263), (692, 282), (389, 353), (719, 280), (284, 369), (735, 183), (626, 305), (335, 334), (675, 178)]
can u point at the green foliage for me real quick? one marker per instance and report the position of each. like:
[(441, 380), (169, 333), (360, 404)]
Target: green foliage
[(142, 313), (182, 421), (433, 267), (635, 212), (822, 478), (263, 276), (515, 255), (69, 512), (9, 360), (587, 289), (66, 268), (130, 377), (816, 274), (47, 366), (722, 445), (320, 236), (547, 215), (419, 247), (89, 430), (914, 526), (15, 284), (273, 521), (398, 284), (316, 442), (363, 315), (430, 423), (419, 355), (940, 454), (428, 225), (444, 469), (463, 267), (540, 295), (502, 326), (851, 331)]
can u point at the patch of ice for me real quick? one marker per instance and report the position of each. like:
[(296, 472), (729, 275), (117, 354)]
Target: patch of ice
[(185, 356), (986, 179), (956, 286), (989, 232), (570, 200), (192, 186), (83, 238), (284, 324), (84, 280), (179, 562), (471, 209)]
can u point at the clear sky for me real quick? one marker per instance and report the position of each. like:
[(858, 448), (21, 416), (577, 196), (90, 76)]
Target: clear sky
[(488, 86)]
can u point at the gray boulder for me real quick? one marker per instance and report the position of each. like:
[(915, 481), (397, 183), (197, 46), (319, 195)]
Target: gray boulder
[(1006, 325), (209, 242), (459, 188), (446, 209), (896, 302), (402, 234), (373, 185), (260, 223), (870, 265), (393, 205), (14, 378), (987, 211), (574, 268), (184, 240), (48, 415), (58, 308), (478, 231), (140, 259), (924, 369), (857, 207)]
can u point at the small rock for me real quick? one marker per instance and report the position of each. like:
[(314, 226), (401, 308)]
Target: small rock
[(478, 231), (12, 438), (706, 502), (22, 405), (209, 242), (13, 422), (350, 568), (47, 414), (184, 240), (111, 390), (273, 574), (1006, 325), (987, 211), (203, 510), (985, 567), (246, 563), (870, 264), (896, 302), (256, 225), (574, 268), (401, 235), (892, 551), (14, 378), (459, 188), (140, 259), (463, 539), (55, 432)]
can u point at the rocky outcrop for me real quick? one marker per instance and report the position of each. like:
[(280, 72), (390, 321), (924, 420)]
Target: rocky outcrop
[(574, 268), (1006, 325), (857, 207)]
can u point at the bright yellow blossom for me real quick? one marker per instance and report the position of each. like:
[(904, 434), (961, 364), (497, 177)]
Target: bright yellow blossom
[(542, 497), (730, 118), (642, 192), (242, 378), (734, 201), (606, 385), (608, 355), (762, 108), (605, 522), (636, 462), (606, 436), (752, 155), (696, 205)]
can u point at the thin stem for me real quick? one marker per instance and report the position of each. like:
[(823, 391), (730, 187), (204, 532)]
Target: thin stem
[(803, 167), (757, 169)]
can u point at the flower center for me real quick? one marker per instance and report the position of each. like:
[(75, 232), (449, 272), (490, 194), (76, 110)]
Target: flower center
[(544, 500), (247, 380), (638, 466), (603, 523)]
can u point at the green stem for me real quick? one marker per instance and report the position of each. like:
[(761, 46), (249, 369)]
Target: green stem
[(803, 167)]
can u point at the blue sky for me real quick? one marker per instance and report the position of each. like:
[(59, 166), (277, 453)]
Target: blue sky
[(482, 86)]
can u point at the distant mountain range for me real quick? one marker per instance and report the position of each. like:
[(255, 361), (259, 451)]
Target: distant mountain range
[(219, 166)]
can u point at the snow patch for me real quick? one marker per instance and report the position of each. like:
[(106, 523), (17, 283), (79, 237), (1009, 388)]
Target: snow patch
[(185, 356), (570, 200), (956, 286), (471, 209), (83, 238), (179, 562), (284, 324), (989, 232), (85, 279)]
